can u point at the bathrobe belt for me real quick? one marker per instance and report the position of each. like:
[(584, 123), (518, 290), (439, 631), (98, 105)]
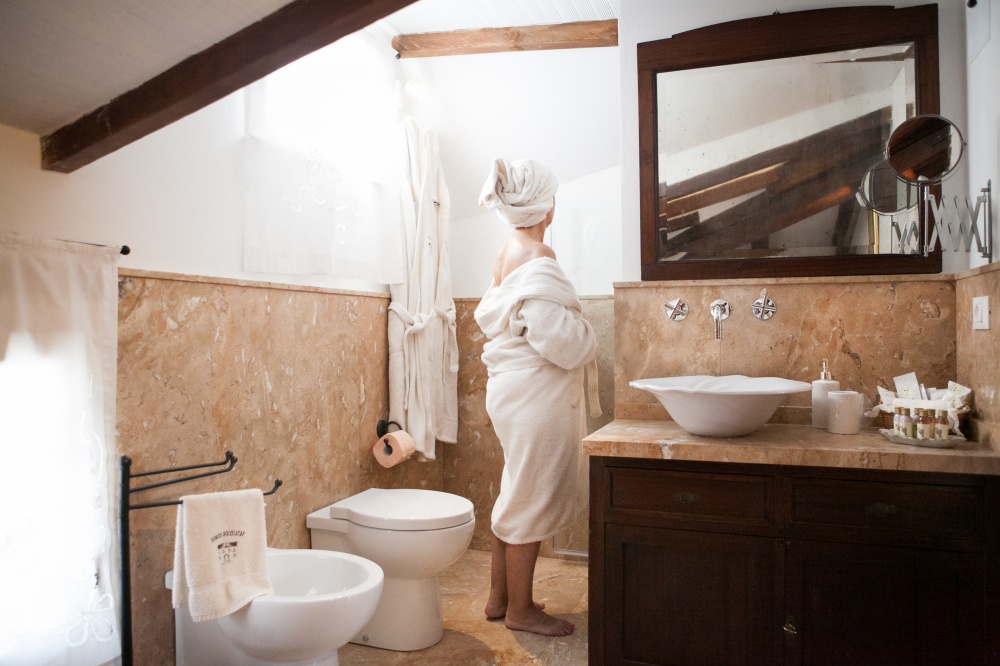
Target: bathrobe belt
[(416, 323), (590, 381)]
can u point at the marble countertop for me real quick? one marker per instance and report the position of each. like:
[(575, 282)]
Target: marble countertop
[(780, 444)]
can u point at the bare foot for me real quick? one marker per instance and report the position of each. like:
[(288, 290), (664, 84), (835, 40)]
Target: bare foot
[(496, 610), (538, 622)]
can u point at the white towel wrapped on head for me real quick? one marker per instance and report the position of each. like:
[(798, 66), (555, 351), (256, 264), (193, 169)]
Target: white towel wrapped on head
[(522, 192), (220, 553)]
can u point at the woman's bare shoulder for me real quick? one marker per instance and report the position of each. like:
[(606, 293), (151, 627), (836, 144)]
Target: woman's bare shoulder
[(514, 255), (543, 250)]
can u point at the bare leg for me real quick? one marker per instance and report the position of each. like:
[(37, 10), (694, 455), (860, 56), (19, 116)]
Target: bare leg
[(522, 612), (496, 605)]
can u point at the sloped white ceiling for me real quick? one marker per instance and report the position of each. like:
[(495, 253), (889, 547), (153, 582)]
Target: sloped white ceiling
[(60, 59)]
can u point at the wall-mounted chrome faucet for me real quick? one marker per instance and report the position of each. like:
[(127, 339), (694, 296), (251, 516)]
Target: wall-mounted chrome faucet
[(677, 310), (720, 311), (763, 308)]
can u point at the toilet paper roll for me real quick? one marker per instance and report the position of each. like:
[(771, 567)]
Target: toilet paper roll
[(845, 412), (393, 448)]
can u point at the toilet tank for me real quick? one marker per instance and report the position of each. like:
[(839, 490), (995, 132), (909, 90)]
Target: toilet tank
[(325, 532), (326, 540)]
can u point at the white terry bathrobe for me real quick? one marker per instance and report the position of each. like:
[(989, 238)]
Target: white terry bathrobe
[(423, 346), (539, 345)]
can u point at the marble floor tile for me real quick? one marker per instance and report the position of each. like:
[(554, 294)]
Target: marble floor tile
[(471, 640)]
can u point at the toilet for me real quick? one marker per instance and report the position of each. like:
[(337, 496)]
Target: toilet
[(413, 535)]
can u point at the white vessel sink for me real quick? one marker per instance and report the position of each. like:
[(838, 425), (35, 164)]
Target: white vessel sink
[(727, 406)]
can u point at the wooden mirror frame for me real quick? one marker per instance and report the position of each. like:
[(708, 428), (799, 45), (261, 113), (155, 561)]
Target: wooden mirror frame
[(765, 38)]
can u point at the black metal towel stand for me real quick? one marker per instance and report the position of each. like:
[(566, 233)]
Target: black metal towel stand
[(125, 490)]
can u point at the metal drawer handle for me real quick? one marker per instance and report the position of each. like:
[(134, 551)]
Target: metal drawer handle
[(791, 631), (686, 498), (882, 510)]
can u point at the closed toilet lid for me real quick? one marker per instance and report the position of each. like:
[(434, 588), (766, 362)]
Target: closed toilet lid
[(404, 509)]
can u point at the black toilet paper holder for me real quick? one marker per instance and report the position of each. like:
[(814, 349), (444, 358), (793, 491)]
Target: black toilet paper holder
[(382, 428)]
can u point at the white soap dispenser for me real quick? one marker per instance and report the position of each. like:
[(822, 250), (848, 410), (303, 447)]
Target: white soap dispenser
[(820, 403)]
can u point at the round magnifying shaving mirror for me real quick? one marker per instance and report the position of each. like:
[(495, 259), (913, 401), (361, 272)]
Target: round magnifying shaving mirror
[(924, 149), (884, 192)]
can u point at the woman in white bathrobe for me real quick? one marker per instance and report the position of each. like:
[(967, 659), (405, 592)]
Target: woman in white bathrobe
[(539, 344)]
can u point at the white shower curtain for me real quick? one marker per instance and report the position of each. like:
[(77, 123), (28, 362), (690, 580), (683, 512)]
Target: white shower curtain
[(58, 360), (423, 347)]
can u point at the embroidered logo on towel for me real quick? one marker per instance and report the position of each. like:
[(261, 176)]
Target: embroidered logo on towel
[(227, 549)]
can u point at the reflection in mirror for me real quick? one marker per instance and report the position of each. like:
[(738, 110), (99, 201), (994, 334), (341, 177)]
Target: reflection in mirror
[(925, 149), (791, 162), (755, 136), (884, 192)]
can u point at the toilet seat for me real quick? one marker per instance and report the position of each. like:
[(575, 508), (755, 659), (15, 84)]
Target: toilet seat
[(404, 509)]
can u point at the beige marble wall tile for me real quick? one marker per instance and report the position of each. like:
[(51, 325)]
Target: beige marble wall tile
[(292, 381), (474, 464), (869, 330), (978, 360)]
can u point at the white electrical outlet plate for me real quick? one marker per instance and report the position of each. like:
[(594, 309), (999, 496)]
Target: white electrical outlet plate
[(981, 313)]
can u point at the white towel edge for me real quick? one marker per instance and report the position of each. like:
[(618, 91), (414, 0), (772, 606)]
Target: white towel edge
[(258, 579)]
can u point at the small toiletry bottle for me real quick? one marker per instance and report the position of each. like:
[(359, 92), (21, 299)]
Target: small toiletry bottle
[(906, 428), (925, 425), (941, 425), (820, 404), (896, 430)]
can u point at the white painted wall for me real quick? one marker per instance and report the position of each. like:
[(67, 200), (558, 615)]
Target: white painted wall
[(983, 135), (177, 188), (647, 20), (175, 198)]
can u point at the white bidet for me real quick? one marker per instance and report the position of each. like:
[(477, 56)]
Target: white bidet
[(321, 600)]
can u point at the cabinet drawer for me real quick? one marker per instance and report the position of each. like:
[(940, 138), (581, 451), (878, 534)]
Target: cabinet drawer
[(919, 510), (693, 495)]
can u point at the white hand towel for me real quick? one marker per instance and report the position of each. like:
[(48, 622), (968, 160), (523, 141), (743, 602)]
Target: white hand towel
[(220, 553)]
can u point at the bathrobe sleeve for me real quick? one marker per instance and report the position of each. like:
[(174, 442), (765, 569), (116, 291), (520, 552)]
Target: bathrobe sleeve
[(559, 334)]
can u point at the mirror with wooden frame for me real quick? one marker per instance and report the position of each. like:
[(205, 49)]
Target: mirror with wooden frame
[(755, 137)]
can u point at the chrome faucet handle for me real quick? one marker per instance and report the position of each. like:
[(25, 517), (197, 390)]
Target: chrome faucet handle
[(720, 310), (677, 310), (763, 308)]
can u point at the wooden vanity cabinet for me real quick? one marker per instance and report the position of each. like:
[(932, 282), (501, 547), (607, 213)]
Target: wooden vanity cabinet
[(715, 563)]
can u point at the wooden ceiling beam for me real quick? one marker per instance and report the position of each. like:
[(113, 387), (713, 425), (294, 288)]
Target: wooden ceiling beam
[(295, 30), (579, 35)]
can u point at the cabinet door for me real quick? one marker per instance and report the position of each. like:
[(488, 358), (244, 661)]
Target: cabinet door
[(683, 597), (848, 604)]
